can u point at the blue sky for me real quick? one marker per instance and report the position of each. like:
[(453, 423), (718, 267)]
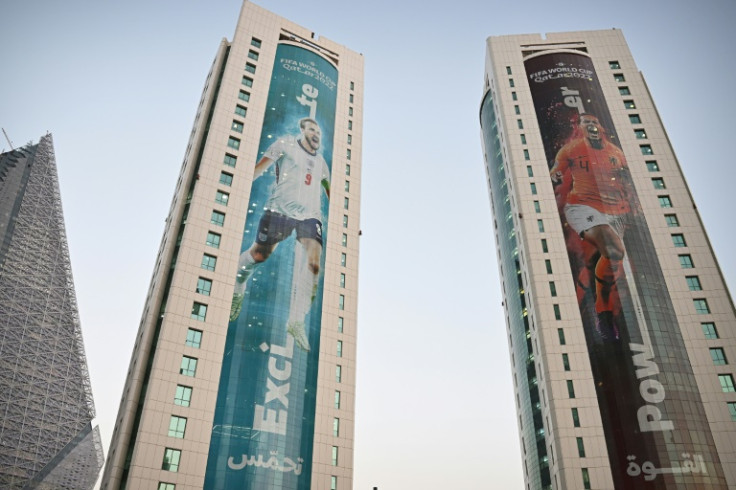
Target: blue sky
[(117, 83)]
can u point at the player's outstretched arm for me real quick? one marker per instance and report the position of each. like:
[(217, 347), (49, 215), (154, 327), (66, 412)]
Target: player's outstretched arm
[(262, 166)]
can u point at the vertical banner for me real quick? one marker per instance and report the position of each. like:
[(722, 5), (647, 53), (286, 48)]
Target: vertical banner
[(263, 431), (653, 419)]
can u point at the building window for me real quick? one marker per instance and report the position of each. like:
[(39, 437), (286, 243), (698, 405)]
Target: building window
[(646, 149), (575, 418), (183, 396), (337, 399), (230, 160), (237, 126), (346, 203), (508, 70), (693, 283), (586, 478), (343, 259), (252, 55), (226, 179), (581, 447), (513, 96), (194, 338), (188, 366), (344, 240), (348, 154), (732, 410), (534, 188), (240, 111), (556, 308), (570, 389), (233, 143), (247, 81), (345, 221), (624, 91), (350, 125), (336, 427), (629, 104), (665, 201), (540, 225), (177, 427), (678, 239), (652, 166), (726, 381), (701, 306), (520, 124), (199, 311), (544, 245), (548, 265), (529, 171), (250, 67), (511, 83), (634, 119), (341, 302), (537, 207), (339, 348), (340, 324), (209, 262), (640, 134), (255, 42), (619, 77), (350, 111), (614, 65), (552, 289), (347, 186), (565, 362), (709, 330), (222, 197), (671, 220), (718, 356), (523, 138), (171, 460), (334, 455), (561, 335), (526, 154), (686, 261), (352, 85), (333, 478), (338, 373), (217, 218), (347, 169), (517, 110), (658, 183), (166, 486), (342, 280), (213, 240), (350, 137)]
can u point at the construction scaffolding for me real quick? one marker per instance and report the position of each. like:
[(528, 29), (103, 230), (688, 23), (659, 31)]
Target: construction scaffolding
[(46, 405)]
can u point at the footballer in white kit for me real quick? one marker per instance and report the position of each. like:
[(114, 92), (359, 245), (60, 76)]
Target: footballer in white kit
[(295, 204)]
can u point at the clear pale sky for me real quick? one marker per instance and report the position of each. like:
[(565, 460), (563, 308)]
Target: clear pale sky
[(117, 83)]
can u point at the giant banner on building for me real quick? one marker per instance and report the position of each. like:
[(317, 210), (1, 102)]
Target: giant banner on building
[(263, 430), (656, 431)]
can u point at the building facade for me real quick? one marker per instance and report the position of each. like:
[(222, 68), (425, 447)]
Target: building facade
[(621, 330), (47, 440), (243, 370)]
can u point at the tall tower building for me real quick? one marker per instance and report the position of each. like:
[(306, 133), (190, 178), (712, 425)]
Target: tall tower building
[(46, 409), (621, 330), (243, 370)]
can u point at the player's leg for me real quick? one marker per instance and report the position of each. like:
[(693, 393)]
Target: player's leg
[(307, 260), (272, 229), (608, 269)]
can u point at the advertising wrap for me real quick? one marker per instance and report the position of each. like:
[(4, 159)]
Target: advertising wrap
[(656, 431), (263, 430)]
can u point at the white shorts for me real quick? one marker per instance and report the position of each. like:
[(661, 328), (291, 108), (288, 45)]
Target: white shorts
[(582, 218)]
